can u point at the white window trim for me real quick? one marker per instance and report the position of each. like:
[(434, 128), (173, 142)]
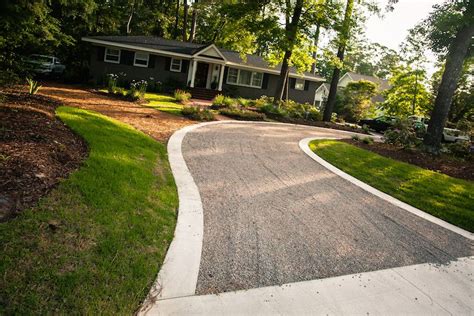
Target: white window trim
[(296, 82), (141, 65), (112, 61), (180, 65), (244, 85)]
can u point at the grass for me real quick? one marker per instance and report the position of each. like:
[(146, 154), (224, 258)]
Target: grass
[(163, 103), (448, 198), (95, 244)]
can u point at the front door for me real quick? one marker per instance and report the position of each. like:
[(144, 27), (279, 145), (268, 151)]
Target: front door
[(200, 79)]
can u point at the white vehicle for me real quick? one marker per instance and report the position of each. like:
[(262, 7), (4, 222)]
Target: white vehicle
[(449, 134), (454, 135), (47, 65)]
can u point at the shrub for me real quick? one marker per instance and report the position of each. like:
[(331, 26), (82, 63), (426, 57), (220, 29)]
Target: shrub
[(263, 101), (368, 140), (355, 137), (243, 114), (182, 96), (154, 85), (314, 114), (366, 128), (244, 102), (137, 90), (221, 101), (218, 101), (33, 86), (402, 134), (198, 114), (270, 108), (111, 82), (460, 149)]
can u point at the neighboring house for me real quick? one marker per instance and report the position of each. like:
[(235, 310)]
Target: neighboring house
[(205, 69), (322, 92)]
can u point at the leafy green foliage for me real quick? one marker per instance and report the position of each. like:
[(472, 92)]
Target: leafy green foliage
[(115, 220), (407, 94), (220, 101), (242, 114), (356, 102), (402, 134), (197, 113), (435, 193)]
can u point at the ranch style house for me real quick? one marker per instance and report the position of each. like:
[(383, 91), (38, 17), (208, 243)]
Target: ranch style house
[(205, 70)]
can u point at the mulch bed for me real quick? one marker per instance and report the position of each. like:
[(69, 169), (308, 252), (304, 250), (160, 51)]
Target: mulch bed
[(451, 166), (314, 123), (36, 150)]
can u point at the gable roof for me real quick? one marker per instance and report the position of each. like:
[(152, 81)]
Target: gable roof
[(382, 83), (323, 86), (160, 45)]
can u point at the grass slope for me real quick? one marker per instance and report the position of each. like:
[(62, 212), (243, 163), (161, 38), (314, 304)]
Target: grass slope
[(445, 197), (163, 103), (94, 244)]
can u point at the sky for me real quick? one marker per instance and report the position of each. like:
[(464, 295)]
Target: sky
[(392, 29)]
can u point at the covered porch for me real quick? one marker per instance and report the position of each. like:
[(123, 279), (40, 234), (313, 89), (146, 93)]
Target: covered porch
[(206, 72)]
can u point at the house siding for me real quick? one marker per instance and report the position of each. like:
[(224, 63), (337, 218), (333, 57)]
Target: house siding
[(159, 69), (300, 96)]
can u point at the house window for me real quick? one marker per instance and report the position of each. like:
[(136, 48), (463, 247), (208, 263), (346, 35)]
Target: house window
[(233, 76), (299, 84), (245, 78), (112, 55), (176, 65), (141, 59)]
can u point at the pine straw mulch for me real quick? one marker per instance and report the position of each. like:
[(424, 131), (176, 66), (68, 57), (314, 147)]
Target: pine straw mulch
[(451, 166), (157, 124), (36, 150)]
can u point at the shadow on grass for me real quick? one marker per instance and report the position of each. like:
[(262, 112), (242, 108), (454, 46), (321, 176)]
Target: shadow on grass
[(95, 244), (448, 198)]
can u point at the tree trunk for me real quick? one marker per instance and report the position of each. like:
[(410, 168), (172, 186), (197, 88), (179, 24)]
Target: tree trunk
[(193, 23), (452, 72), (344, 36), (185, 20), (130, 18), (291, 30), (316, 40), (333, 89), (176, 21), (415, 93)]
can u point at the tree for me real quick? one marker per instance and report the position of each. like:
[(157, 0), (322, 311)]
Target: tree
[(462, 104), (291, 29), (185, 21), (356, 101), (413, 50), (449, 29), (406, 83), (343, 37)]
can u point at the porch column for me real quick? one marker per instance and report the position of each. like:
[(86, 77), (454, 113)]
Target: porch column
[(221, 78), (193, 73)]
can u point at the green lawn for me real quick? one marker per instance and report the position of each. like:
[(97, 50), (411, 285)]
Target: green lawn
[(115, 217), (163, 103), (445, 197)]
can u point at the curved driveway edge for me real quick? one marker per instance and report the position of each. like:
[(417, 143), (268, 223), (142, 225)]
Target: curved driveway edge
[(304, 145), (179, 272)]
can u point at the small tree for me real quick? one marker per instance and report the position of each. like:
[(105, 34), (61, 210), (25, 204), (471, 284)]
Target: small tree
[(407, 94), (356, 100)]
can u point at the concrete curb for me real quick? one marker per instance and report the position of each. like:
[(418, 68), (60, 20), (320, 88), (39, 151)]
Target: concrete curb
[(179, 272), (422, 289), (304, 145)]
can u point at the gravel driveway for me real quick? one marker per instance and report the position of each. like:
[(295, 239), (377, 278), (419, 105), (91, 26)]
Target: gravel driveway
[(272, 215)]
